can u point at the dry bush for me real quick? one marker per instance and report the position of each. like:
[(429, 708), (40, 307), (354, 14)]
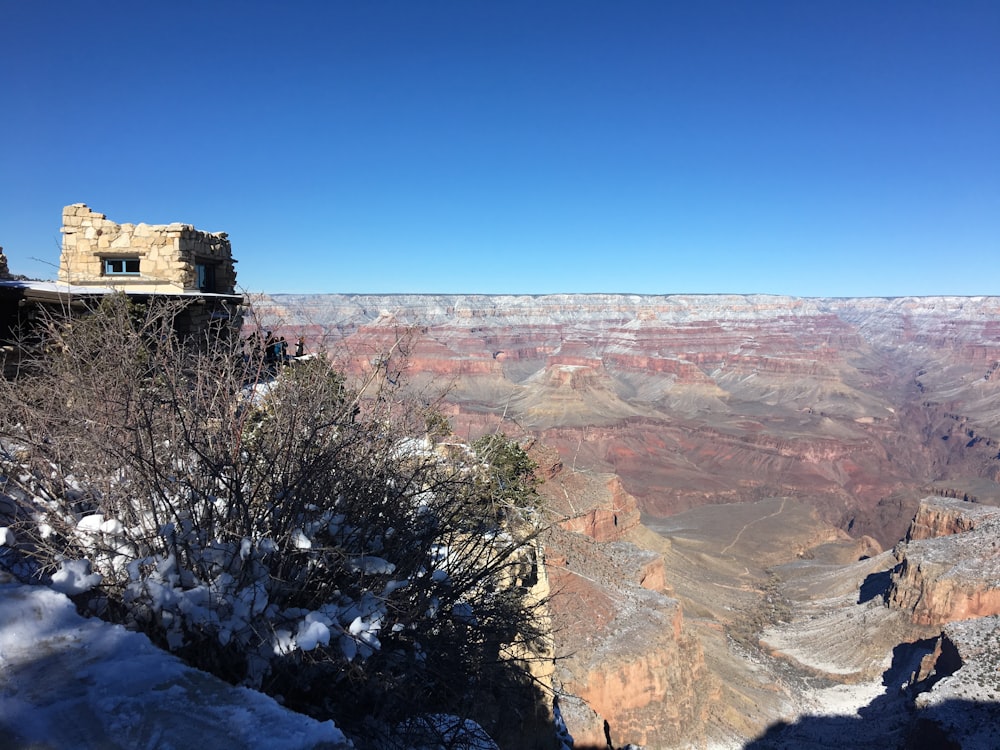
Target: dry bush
[(282, 530)]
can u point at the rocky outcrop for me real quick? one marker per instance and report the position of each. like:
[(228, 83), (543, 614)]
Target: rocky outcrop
[(652, 574), (962, 711), (613, 520), (625, 656), (942, 579), (650, 696), (943, 517)]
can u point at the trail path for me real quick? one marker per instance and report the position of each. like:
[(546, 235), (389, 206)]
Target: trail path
[(739, 534)]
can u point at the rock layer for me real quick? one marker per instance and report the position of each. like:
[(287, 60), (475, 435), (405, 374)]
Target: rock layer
[(949, 569), (625, 656), (613, 520), (702, 399)]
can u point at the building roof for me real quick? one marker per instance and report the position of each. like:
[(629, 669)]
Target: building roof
[(60, 291)]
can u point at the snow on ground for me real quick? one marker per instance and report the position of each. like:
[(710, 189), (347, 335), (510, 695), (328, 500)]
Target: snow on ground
[(71, 682), (841, 700)]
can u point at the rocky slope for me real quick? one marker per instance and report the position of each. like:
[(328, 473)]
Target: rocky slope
[(624, 653), (961, 704), (875, 627)]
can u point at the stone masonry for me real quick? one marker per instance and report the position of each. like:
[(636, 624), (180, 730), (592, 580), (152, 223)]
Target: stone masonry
[(162, 258)]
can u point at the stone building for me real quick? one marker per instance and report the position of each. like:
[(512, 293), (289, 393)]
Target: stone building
[(143, 258), (148, 262)]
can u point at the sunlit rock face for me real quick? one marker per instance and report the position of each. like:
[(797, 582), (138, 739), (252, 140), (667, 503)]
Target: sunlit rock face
[(949, 569), (626, 656), (615, 516), (937, 517)]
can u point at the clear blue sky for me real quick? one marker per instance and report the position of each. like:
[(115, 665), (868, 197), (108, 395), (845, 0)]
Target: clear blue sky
[(807, 147)]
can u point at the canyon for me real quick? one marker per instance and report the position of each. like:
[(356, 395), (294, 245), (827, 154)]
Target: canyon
[(772, 519)]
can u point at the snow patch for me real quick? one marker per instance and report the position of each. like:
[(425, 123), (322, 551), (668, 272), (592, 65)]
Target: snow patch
[(75, 682), (75, 577)]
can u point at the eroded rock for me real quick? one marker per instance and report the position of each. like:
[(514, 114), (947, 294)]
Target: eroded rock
[(949, 570)]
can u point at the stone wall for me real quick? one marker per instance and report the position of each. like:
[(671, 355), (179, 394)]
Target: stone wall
[(168, 253)]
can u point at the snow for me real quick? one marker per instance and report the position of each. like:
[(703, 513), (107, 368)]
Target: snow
[(300, 540), (90, 523), (71, 682), (312, 632), (370, 565), (68, 682), (75, 577)]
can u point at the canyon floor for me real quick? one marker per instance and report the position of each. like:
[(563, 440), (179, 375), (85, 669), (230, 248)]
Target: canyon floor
[(761, 622), (785, 628)]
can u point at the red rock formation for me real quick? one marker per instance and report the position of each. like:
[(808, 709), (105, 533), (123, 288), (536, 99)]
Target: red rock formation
[(934, 598), (941, 579), (650, 698), (653, 574), (683, 371), (610, 522), (936, 518), (627, 657)]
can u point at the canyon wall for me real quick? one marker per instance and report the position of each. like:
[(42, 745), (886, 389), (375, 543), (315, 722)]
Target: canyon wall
[(624, 653), (855, 405), (949, 567)]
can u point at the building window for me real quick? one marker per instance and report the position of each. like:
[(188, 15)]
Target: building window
[(121, 266), (206, 277)]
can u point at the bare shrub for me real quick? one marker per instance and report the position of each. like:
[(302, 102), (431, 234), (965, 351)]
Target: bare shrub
[(274, 525)]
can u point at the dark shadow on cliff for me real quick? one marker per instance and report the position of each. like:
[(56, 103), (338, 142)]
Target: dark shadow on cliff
[(950, 725), (875, 585)]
